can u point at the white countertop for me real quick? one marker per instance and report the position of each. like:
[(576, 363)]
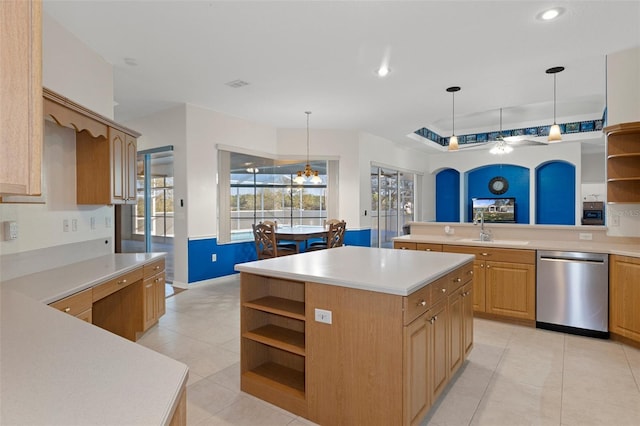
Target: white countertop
[(60, 370), (55, 284), (531, 244), (399, 272)]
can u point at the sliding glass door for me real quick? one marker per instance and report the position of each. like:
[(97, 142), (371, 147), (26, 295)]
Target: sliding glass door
[(392, 201), (148, 226)]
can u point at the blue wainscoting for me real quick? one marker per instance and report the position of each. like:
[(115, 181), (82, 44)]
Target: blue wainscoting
[(555, 193), (448, 196), (518, 178), (228, 255)]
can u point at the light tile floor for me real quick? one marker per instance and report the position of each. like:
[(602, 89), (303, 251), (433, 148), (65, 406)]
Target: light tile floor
[(514, 376)]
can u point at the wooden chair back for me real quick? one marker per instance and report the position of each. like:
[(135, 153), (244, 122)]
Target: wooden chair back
[(335, 236), (265, 239)]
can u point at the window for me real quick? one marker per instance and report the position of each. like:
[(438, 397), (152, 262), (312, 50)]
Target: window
[(253, 189)]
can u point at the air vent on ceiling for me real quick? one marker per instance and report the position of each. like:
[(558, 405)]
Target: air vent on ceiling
[(237, 83)]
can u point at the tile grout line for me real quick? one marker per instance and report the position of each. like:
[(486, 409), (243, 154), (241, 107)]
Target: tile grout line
[(490, 379)]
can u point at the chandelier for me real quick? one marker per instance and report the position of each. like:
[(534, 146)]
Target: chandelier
[(307, 173)]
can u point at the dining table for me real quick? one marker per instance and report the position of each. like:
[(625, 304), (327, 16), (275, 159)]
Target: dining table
[(301, 233)]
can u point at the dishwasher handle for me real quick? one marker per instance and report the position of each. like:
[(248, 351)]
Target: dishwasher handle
[(570, 259)]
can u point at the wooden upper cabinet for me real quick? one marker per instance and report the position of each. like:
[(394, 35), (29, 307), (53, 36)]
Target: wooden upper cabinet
[(106, 168), (21, 89)]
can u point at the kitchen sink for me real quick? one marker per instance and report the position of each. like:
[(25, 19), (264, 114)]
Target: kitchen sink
[(497, 242)]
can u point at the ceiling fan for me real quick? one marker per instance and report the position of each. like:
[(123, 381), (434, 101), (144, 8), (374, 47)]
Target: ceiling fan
[(503, 144)]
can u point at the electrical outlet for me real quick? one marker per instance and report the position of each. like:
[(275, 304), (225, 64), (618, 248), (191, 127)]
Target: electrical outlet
[(615, 220), (74, 225), (107, 222), (214, 257), (93, 222), (10, 230), (586, 236), (65, 225), (323, 316)]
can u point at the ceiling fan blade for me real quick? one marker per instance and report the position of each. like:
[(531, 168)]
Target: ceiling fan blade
[(474, 145), (522, 141)]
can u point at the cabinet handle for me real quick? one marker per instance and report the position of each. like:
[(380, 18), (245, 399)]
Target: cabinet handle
[(444, 290), (156, 268), (67, 309), (482, 265), (403, 248), (485, 254), (148, 286), (428, 250), (158, 280), (432, 320), (470, 272), (488, 266), (122, 282), (457, 280), (422, 303)]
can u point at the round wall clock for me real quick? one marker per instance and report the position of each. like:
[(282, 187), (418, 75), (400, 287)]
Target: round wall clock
[(498, 185)]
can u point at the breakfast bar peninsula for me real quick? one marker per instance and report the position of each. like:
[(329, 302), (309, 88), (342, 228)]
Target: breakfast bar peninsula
[(355, 335)]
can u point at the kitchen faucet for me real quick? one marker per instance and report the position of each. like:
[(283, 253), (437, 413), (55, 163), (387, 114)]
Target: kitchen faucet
[(485, 235)]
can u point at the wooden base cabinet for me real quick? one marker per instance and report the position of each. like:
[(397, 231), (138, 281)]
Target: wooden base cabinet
[(383, 359), (507, 279), (624, 297), (153, 296)]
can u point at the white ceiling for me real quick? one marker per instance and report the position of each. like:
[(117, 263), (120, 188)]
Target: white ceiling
[(321, 56)]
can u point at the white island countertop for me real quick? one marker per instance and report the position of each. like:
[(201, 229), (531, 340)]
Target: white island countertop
[(59, 370), (399, 272)]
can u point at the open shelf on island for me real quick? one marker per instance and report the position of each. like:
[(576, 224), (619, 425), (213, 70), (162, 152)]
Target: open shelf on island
[(279, 306), (278, 337), (280, 377)]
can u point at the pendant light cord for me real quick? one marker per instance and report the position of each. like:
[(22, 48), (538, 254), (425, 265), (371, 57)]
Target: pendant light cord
[(453, 113), (309, 113), (554, 98)]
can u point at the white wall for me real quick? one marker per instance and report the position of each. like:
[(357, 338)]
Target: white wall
[(40, 225), (623, 86), (74, 71)]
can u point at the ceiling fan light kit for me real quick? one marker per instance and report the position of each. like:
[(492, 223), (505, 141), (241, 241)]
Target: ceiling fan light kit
[(554, 130), (308, 172), (453, 140)]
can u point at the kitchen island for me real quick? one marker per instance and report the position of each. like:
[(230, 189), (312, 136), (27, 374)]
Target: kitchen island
[(355, 335)]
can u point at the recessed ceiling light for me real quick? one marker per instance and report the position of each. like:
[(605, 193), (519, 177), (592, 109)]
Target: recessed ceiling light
[(383, 71), (550, 14)]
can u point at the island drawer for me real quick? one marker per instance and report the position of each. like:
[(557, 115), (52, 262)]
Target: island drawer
[(153, 268), (416, 303), (103, 290), (460, 276), (74, 304), (439, 289)]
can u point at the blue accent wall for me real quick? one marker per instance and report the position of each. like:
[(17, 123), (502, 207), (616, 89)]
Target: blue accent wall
[(477, 184), (555, 193), (228, 255), (448, 196)]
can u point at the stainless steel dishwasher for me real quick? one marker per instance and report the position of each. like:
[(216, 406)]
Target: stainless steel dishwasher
[(572, 292)]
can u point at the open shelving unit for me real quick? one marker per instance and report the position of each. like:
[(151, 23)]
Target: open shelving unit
[(623, 163), (273, 341)]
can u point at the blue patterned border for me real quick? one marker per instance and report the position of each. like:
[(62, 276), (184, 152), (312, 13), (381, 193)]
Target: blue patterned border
[(565, 128)]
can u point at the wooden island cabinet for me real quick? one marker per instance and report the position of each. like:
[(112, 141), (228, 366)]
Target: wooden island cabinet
[(375, 343)]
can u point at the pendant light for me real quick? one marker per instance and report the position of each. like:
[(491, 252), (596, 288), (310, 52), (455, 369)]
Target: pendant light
[(453, 140), (554, 130), (307, 173), (501, 147)]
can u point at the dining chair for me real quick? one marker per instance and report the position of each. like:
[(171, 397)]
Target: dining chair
[(281, 245), (327, 225), (266, 245), (335, 237)]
